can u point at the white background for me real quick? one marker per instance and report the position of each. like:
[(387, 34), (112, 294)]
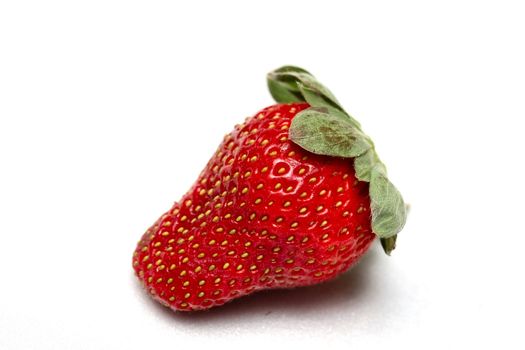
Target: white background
[(109, 110)]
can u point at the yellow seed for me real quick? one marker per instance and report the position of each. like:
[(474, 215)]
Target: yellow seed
[(278, 186), (239, 267), (239, 218), (259, 186), (289, 189), (186, 283), (253, 159), (184, 305), (290, 238), (232, 231), (252, 216), (247, 244), (185, 260), (202, 282), (198, 269), (346, 213), (273, 153), (259, 257), (265, 169), (217, 280), (219, 229), (264, 218), (303, 210), (287, 204), (244, 255), (200, 295), (188, 202), (173, 267), (338, 204), (279, 219), (187, 295), (211, 268), (312, 180), (325, 236), (305, 239), (183, 218), (183, 273), (281, 171), (323, 223), (244, 190), (276, 249), (201, 255), (322, 193), (302, 195), (157, 244), (289, 261), (264, 142), (319, 208), (226, 265), (247, 174)]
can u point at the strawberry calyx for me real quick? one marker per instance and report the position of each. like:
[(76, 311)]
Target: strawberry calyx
[(327, 129)]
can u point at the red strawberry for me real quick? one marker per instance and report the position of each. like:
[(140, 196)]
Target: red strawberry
[(264, 213)]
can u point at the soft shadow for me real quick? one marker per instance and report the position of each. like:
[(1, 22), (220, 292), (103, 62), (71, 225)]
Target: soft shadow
[(341, 293)]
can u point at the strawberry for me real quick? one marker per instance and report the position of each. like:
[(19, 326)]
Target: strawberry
[(280, 204)]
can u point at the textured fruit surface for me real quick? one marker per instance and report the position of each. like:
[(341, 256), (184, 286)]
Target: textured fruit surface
[(264, 213)]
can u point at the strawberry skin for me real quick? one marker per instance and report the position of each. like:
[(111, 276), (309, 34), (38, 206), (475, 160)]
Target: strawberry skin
[(264, 213)]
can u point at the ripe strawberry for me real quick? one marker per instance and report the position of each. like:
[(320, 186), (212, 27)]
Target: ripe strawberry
[(264, 213)]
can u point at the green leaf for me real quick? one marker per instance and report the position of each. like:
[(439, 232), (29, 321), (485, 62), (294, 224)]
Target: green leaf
[(388, 209), (283, 92), (364, 164), (327, 134), (294, 84), (283, 87)]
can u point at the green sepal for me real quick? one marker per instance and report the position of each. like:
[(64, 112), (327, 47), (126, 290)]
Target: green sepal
[(389, 244), (388, 208), (285, 86), (326, 134)]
